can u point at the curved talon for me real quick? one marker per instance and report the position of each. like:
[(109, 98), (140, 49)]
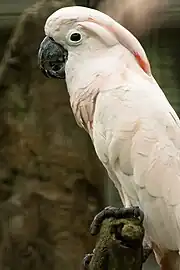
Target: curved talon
[(86, 261), (114, 212), (146, 253), (107, 212), (138, 213)]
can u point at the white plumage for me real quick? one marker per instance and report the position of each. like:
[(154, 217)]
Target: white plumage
[(135, 131)]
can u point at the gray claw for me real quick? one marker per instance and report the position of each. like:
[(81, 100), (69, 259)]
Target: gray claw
[(147, 250), (86, 261), (114, 212)]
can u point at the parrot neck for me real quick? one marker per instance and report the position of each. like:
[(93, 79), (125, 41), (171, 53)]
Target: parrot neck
[(95, 73), (83, 107), (84, 75)]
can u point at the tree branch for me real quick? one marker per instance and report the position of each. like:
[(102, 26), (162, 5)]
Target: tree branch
[(119, 246)]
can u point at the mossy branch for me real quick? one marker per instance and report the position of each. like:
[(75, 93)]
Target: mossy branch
[(119, 246)]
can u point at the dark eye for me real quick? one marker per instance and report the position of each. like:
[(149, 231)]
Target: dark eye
[(75, 37)]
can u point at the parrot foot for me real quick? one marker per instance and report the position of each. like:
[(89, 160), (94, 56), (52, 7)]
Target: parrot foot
[(86, 261), (114, 212), (147, 250)]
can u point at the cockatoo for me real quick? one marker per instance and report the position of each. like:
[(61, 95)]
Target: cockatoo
[(134, 129)]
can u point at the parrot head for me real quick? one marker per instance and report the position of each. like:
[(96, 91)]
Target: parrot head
[(76, 33)]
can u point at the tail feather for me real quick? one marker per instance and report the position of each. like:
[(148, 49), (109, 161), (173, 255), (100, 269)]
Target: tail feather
[(171, 261)]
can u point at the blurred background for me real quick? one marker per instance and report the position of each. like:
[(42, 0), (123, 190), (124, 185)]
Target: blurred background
[(51, 183)]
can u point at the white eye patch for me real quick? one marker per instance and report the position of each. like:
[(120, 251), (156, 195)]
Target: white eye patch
[(74, 37)]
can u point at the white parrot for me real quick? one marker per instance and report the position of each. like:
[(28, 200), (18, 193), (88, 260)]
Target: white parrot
[(134, 129)]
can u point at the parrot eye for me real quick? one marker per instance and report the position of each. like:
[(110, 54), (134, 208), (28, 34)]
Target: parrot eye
[(74, 38)]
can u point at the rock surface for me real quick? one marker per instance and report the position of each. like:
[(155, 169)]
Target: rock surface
[(51, 183)]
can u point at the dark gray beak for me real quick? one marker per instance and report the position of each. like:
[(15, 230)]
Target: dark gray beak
[(52, 58)]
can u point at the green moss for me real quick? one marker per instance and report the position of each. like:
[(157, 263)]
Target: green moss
[(125, 253)]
